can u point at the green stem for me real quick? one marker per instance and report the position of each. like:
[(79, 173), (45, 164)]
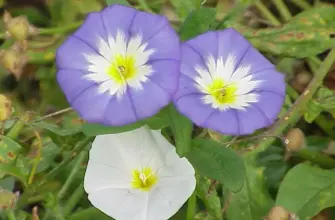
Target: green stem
[(316, 157), (54, 30), (74, 199), (296, 111), (302, 4), (266, 13), (71, 177), (19, 125), (283, 10), (191, 207)]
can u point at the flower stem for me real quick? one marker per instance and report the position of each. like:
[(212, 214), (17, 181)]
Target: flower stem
[(283, 10), (71, 177), (191, 207), (74, 199), (302, 4), (296, 111), (266, 13), (316, 157), (19, 125)]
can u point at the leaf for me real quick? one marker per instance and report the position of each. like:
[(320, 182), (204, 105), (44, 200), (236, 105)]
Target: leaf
[(315, 193), (213, 160), (325, 98), (182, 131), (98, 129), (210, 199), (253, 201), (160, 120), (198, 22), (9, 149), (120, 2), (298, 38), (89, 214), (7, 199), (313, 111), (183, 8)]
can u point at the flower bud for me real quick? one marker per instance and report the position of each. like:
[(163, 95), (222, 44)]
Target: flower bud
[(18, 28), (278, 213), (295, 139), (10, 59), (5, 108)]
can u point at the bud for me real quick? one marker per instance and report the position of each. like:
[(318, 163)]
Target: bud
[(295, 139), (17, 27), (278, 213), (5, 108), (13, 61)]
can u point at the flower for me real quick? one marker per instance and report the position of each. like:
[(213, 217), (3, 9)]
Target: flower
[(137, 175), (226, 85), (120, 66)]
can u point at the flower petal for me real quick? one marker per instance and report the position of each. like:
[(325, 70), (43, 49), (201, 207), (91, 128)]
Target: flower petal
[(270, 103), (166, 74), (123, 204), (205, 44), (272, 81), (148, 101), (189, 60), (247, 119), (225, 122)]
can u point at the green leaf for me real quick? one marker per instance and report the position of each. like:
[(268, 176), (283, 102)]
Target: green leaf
[(120, 2), (198, 22), (89, 214), (315, 193), (325, 98), (210, 199), (213, 160), (313, 111), (9, 149), (253, 201), (7, 199), (98, 129), (182, 131), (183, 8), (160, 120), (299, 38)]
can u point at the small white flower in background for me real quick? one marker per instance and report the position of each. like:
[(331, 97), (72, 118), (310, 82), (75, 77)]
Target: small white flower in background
[(137, 175)]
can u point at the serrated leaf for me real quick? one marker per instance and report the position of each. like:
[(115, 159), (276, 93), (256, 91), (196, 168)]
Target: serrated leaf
[(209, 197), (182, 129), (119, 2), (198, 22), (213, 160), (315, 193), (253, 201)]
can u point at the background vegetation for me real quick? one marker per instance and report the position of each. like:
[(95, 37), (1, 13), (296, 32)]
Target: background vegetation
[(282, 172)]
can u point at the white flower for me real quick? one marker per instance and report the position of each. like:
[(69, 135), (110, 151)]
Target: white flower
[(137, 175)]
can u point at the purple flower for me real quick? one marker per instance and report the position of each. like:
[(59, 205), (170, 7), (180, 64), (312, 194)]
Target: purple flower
[(120, 66), (228, 86)]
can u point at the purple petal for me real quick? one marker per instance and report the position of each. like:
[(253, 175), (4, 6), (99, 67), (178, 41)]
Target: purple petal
[(251, 119), (232, 43), (205, 44), (166, 74), (190, 59), (166, 44), (226, 122), (117, 17), (186, 87), (270, 104), (273, 81), (193, 107), (120, 112), (92, 30), (91, 105), (71, 54), (148, 25), (256, 61), (72, 83), (148, 101)]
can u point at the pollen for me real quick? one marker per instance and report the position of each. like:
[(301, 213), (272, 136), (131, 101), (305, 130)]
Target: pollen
[(143, 179), (222, 92), (122, 68)]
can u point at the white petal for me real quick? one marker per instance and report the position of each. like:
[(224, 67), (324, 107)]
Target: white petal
[(121, 204)]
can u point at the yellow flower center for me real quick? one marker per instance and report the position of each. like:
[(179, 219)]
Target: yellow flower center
[(122, 68), (223, 93), (143, 179)]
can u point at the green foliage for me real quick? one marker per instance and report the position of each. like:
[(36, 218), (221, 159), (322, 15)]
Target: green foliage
[(120, 2), (253, 201), (213, 160), (315, 194)]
